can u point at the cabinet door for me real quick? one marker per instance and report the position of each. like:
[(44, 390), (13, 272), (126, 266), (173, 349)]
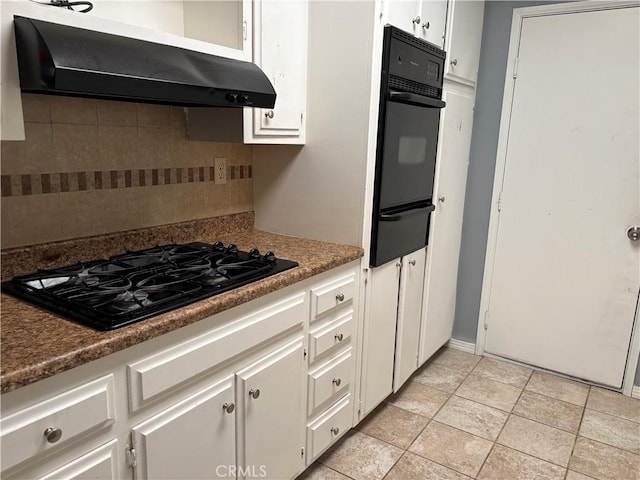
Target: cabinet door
[(463, 40), (404, 14), (446, 223), (379, 334), (271, 430), (433, 17), (409, 316), (280, 49), (193, 439), (100, 463)]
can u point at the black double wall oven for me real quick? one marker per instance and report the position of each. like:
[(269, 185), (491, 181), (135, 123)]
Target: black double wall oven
[(409, 117)]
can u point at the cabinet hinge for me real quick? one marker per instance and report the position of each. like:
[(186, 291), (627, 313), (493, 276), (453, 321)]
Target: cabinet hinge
[(515, 67), (302, 452), (304, 353), (500, 201), (244, 30), (486, 319), (130, 454)]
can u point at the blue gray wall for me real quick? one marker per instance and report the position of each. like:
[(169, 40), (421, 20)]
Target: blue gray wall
[(484, 145)]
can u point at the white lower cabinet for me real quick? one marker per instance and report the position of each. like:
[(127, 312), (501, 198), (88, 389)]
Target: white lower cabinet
[(409, 317), (271, 415), (393, 315), (222, 398), (193, 439)]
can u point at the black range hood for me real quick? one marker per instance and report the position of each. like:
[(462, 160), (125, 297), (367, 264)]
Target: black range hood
[(58, 59)]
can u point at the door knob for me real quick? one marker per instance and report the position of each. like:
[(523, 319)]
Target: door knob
[(441, 199), (229, 407), (254, 393), (337, 382), (416, 20), (270, 114), (633, 233), (426, 25), (454, 62), (53, 434)]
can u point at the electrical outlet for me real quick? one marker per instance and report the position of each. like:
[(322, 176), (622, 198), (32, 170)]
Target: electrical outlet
[(220, 170)]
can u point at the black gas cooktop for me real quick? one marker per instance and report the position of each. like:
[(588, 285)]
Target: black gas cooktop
[(133, 286)]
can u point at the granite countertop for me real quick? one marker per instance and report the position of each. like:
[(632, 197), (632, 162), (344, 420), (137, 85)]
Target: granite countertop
[(36, 344)]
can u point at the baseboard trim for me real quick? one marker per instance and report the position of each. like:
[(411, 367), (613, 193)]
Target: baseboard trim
[(462, 345), (635, 393)]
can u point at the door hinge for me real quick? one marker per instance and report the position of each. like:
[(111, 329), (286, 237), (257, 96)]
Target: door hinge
[(244, 30), (304, 353), (515, 67), (486, 319), (130, 454), (500, 201), (302, 452)]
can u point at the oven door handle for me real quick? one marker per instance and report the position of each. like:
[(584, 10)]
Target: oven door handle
[(396, 217), (413, 99)]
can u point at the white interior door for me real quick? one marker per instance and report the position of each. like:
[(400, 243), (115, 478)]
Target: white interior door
[(565, 274)]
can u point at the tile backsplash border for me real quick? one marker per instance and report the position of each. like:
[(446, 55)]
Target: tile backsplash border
[(91, 167)]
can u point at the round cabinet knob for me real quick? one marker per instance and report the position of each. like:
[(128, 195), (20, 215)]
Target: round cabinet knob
[(633, 233), (339, 337), (441, 199), (426, 25), (412, 263), (335, 430), (337, 382), (454, 62), (416, 20), (269, 114), (53, 434), (340, 297), (254, 393), (228, 407)]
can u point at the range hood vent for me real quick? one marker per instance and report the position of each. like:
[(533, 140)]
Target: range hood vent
[(59, 59)]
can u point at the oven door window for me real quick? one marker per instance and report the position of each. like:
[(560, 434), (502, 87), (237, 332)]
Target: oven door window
[(409, 153)]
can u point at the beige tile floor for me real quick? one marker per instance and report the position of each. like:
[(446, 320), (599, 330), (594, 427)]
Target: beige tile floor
[(463, 416)]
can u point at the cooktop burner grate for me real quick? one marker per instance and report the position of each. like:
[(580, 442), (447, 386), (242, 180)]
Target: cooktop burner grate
[(133, 286)]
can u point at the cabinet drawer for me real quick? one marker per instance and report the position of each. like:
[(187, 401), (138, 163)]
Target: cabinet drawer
[(333, 424), (330, 380), (334, 334), (100, 463), (68, 415), (157, 373), (337, 292)]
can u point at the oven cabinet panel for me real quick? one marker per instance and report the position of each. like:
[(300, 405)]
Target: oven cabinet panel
[(280, 49), (55, 423), (409, 317), (271, 414), (379, 335), (445, 232), (433, 18), (464, 34), (195, 438)]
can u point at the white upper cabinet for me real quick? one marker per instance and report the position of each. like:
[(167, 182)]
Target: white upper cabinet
[(433, 17), (280, 49), (463, 40), (423, 18)]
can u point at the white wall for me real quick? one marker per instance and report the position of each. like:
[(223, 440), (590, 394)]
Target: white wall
[(318, 190)]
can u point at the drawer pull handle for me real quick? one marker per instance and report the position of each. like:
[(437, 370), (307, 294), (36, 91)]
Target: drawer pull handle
[(335, 430), (53, 434), (337, 382), (339, 337), (340, 297), (228, 407), (254, 393)]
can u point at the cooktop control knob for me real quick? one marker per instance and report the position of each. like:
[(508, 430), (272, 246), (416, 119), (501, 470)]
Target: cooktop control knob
[(270, 257), (254, 253), (218, 246), (243, 99), (232, 248), (232, 97)]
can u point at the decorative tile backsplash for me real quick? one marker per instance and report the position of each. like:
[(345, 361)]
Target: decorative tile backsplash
[(89, 167)]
